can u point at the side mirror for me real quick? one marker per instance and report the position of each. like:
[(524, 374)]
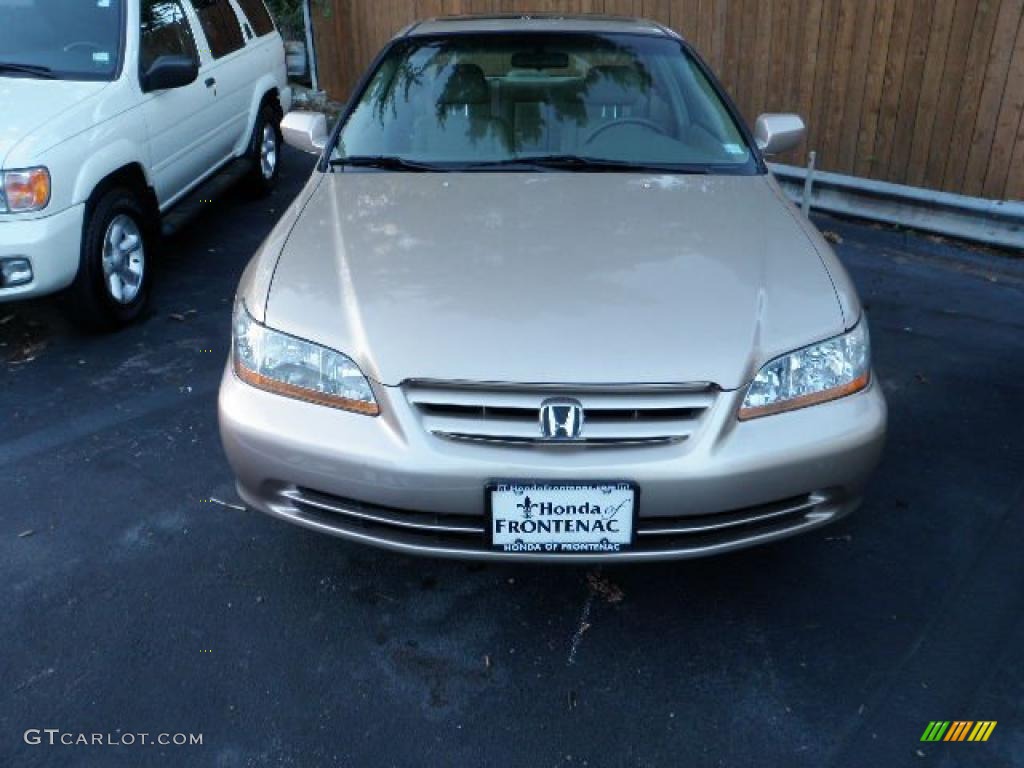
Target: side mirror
[(776, 134), (170, 72), (305, 130)]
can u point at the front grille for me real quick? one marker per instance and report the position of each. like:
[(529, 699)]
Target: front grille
[(511, 413)]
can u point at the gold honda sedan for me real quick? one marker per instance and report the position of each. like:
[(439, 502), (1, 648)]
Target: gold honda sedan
[(542, 300)]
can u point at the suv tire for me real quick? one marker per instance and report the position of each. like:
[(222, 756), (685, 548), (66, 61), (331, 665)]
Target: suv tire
[(264, 152), (112, 285)]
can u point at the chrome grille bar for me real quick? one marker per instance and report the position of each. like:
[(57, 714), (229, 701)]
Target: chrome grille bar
[(639, 414)]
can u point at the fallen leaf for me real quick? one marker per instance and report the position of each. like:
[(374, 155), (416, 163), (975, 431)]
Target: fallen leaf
[(612, 593), (832, 237), (25, 534)]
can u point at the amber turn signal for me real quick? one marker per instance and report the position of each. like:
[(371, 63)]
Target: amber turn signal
[(27, 190)]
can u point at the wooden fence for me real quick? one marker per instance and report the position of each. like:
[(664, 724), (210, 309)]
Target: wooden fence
[(921, 92)]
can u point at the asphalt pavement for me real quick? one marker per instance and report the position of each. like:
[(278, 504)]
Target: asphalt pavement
[(137, 598)]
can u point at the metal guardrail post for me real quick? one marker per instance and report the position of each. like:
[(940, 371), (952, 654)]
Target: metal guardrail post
[(805, 202), (307, 17)]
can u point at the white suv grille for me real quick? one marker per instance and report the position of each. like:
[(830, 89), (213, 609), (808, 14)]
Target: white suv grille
[(613, 415)]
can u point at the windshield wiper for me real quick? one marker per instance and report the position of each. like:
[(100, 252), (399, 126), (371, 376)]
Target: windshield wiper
[(36, 70), (576, 163), (586, 164), (384, 163)]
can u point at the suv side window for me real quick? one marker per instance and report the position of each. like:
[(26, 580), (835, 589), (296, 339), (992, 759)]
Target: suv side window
[(165, 32), (258, 16), (220, 25)]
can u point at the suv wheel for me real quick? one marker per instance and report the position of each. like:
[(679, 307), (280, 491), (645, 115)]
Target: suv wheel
[(112, 285), (265, 151)]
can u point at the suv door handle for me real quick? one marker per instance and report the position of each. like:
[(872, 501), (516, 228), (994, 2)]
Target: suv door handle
[(210, 82)]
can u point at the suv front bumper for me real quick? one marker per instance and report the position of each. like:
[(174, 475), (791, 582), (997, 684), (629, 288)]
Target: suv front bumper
[(53, 246)]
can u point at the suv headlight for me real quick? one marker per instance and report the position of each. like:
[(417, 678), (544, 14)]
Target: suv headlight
[(24, 190), (815, 374), (274, 361)]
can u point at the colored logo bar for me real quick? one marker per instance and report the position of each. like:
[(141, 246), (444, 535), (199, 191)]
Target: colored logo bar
[(958, 730)]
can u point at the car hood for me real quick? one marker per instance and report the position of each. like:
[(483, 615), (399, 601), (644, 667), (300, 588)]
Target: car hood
[(28, 104), (553, 277)]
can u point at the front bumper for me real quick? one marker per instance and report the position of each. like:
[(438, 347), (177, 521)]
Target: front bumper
[(53, 246), (387, 482)]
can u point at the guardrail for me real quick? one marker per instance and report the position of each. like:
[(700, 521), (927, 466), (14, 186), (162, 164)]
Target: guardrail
[(993, 222)]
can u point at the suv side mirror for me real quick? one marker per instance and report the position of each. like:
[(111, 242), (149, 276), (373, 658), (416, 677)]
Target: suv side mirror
[(776, 134), (170, 72), (305, 130)]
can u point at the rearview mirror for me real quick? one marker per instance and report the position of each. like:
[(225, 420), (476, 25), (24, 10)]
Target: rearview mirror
[(776, 134), (305, 130), (170, 72), (540, 60)]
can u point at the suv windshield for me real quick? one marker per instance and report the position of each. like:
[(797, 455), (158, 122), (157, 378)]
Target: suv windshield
[(562, 101), (65, 39)]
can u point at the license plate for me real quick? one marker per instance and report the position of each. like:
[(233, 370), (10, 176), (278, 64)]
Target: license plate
[(561, 518)]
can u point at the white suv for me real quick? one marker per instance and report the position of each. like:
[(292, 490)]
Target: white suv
[(113, 112)]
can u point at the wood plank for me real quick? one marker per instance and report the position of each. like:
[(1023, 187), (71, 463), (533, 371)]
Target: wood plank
[(991, 95), (1015, 178), (1009, 120), (874, 80), (838, 80), (720, 11), (705, 28), (965, 116), (744, 88), (733, 28), (683, 19), (822, 71), (913, 73), (992, 91), (779, 54), (808, 66), (796, 25), (857, 81), (956, 77), (762, 60), (892, 88), (931, 85), (658, 10)]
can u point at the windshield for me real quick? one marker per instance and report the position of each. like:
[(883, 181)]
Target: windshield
[(627, 101), (66, 39)]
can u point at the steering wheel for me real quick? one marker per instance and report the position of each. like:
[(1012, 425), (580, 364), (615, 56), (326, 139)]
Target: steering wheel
[(625, 121), (82, 44)]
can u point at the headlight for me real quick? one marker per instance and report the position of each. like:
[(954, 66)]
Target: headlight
[(288, 366), (24, 190), (814, 374)]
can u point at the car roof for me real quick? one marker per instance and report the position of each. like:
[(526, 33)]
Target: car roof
[(534, 23)]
